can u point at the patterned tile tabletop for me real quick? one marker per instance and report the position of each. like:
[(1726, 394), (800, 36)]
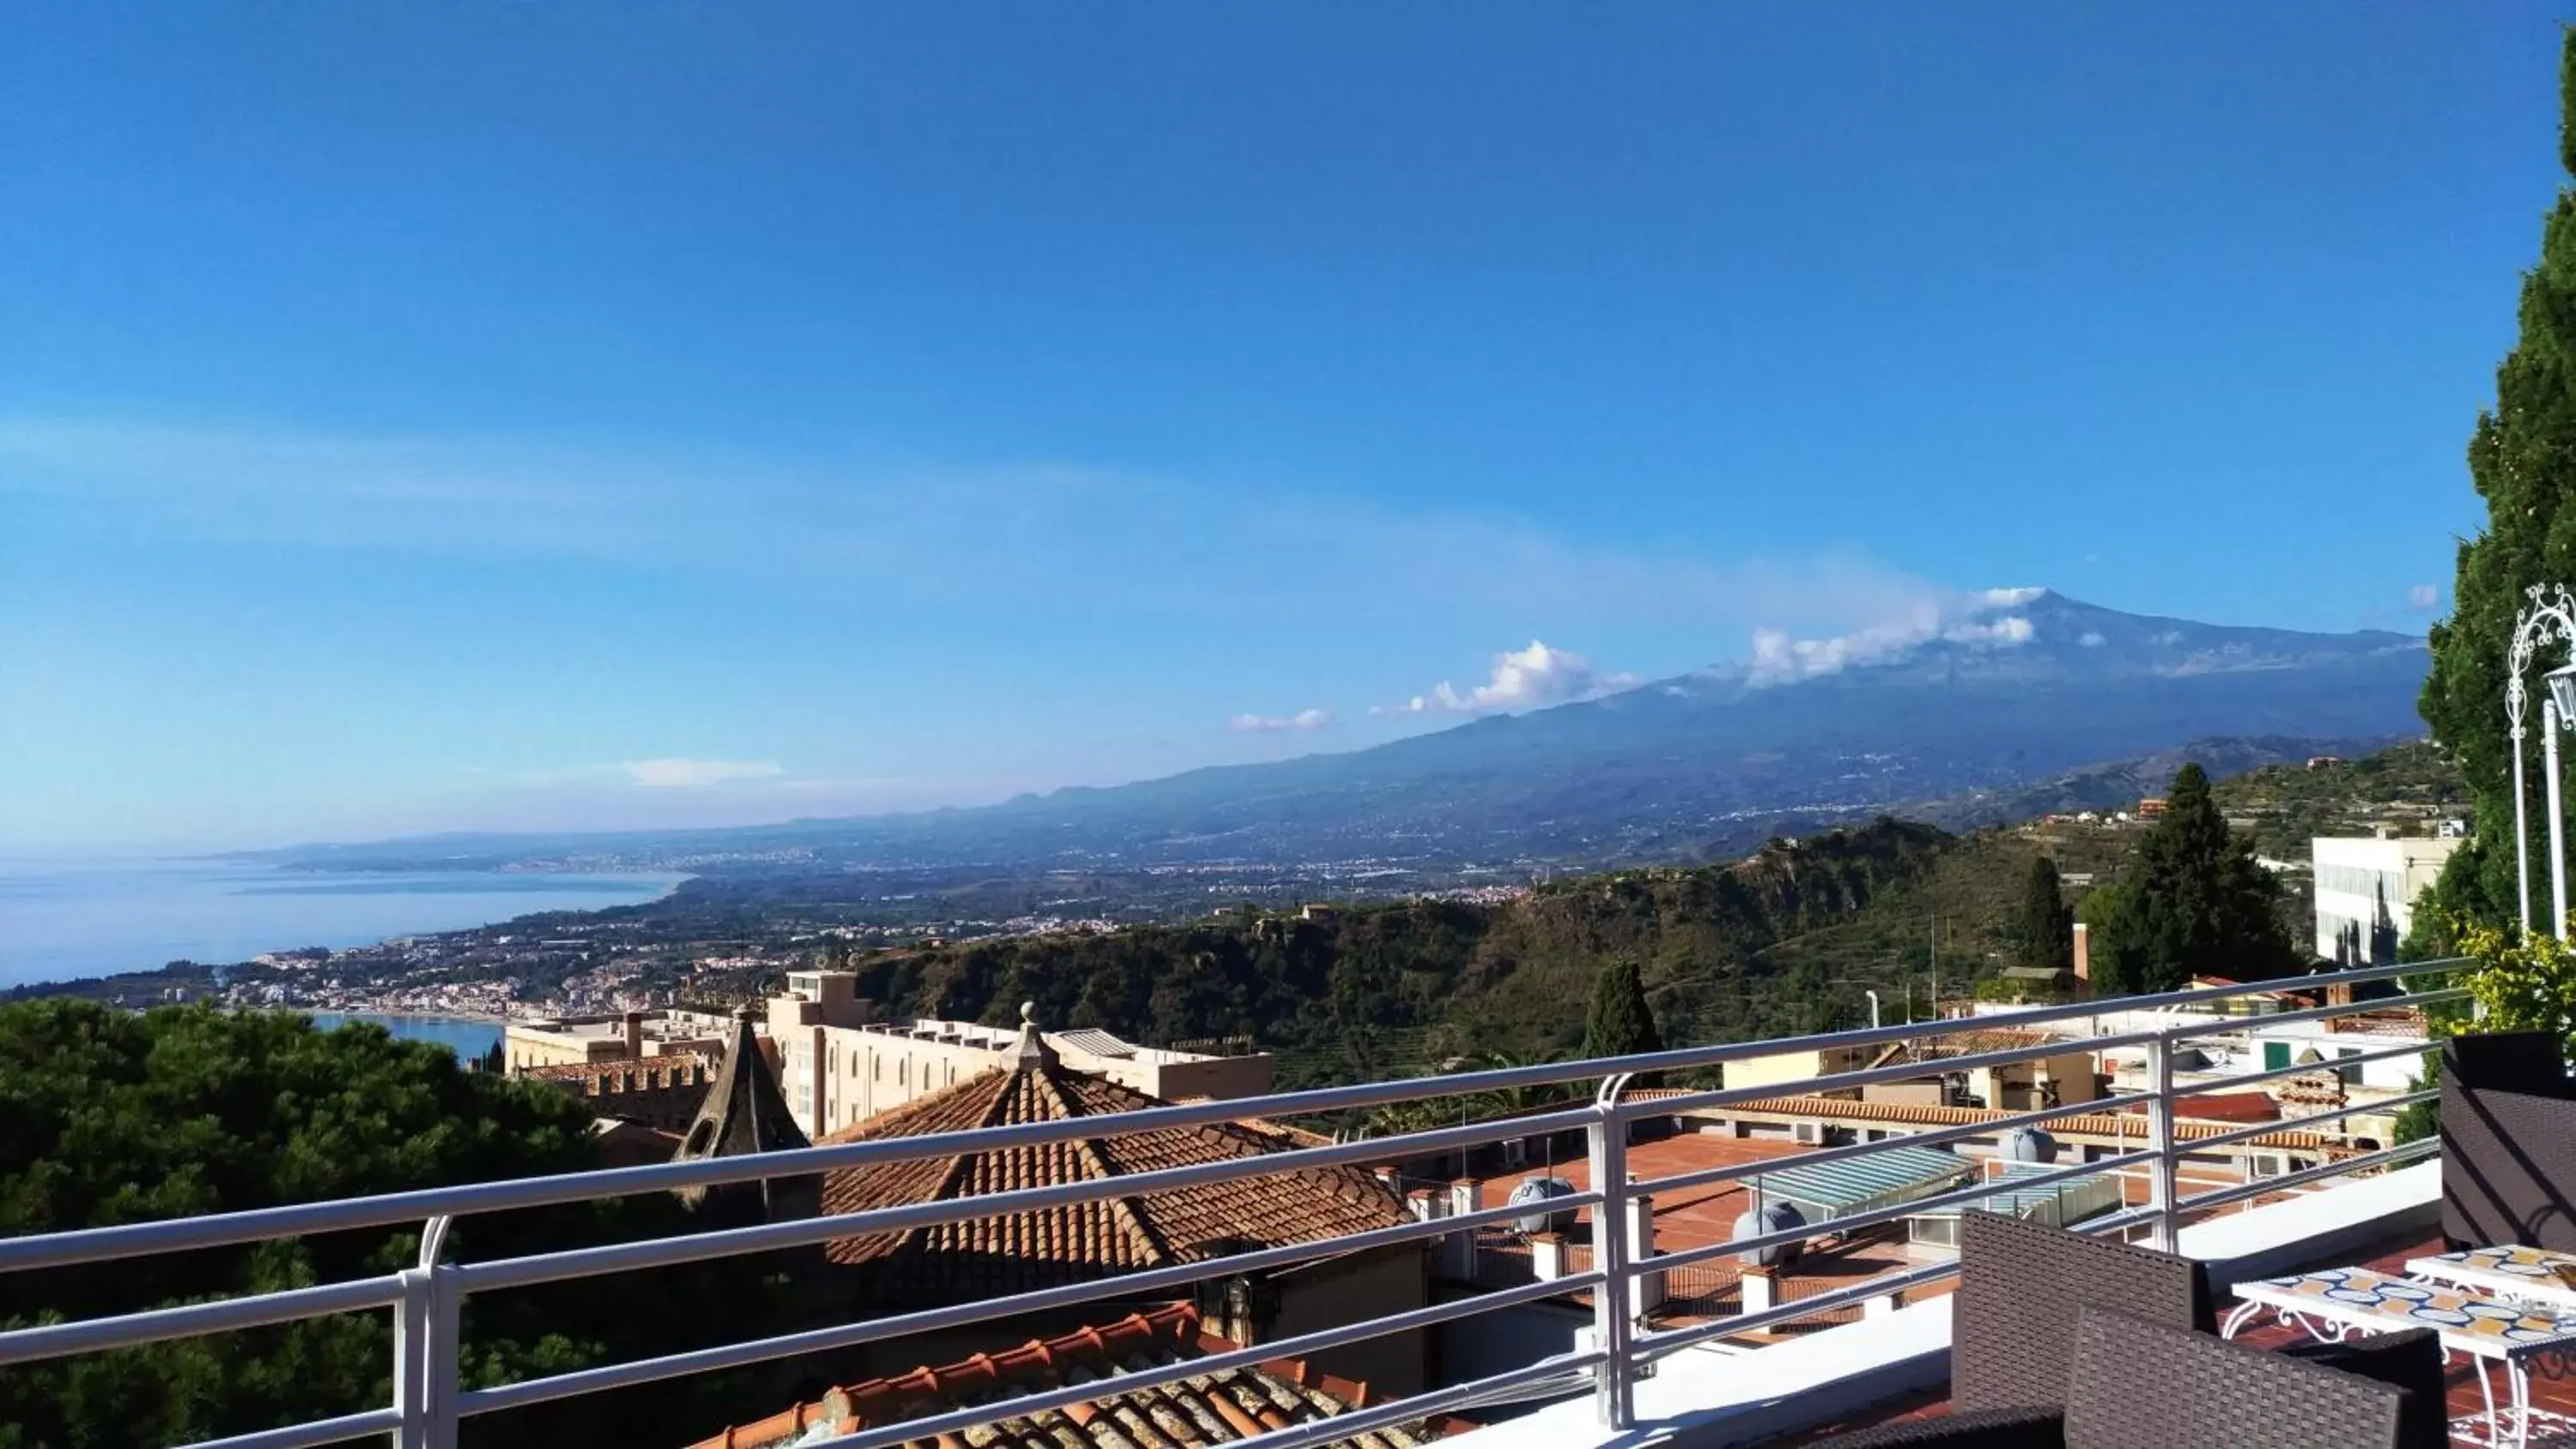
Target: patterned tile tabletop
[(2486, 1325), (2513, 1267)]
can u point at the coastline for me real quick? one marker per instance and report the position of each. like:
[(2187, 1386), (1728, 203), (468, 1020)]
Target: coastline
[(70, 927)]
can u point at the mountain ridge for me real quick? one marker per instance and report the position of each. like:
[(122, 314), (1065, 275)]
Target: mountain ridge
[(1990, 693)]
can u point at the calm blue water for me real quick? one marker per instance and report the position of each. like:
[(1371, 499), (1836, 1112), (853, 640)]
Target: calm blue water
[(61, 922), (468, 1039)]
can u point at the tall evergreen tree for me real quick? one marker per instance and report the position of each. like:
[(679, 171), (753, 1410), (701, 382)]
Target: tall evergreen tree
[(2047, 926), (2522, 460), (1620, 1022), (2195, 901)]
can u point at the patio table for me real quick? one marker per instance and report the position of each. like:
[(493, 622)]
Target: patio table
[(2510, 1271), (2334, 1303)]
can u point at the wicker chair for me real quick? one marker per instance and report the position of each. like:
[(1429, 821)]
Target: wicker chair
[(2132, 1384), (2508, 1142), (2409, 1359), (2021, 1287)]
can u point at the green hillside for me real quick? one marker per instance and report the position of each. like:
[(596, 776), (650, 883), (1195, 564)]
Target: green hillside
[(1783, 941)]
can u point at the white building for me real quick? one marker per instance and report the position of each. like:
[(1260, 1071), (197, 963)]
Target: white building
[(2366, 888)]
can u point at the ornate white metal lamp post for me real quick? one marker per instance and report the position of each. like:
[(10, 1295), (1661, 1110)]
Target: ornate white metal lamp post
[(2551, 618)]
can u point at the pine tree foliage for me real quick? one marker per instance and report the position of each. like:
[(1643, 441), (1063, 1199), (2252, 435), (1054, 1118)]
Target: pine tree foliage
[(2522, 460), (2047, 925), (2194, 902), (1620, 1023)]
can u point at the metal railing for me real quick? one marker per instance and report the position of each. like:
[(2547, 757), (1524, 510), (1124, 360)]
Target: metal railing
[(425, 1300)]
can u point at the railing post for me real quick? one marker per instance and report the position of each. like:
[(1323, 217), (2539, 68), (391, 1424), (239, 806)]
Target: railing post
[(2166, 1227), (1614, 1396), (411, 1361), (427, 1324)]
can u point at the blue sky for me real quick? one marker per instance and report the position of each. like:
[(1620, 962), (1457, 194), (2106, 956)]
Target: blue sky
[(441, 416)]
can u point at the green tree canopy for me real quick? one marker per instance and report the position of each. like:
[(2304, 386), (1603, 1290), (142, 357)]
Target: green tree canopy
[(109, 1116), (1620, 1023), (2047, 926), (2194, 901), (2522, 460)]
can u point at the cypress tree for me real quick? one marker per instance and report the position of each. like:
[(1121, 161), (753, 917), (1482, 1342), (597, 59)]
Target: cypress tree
[(2047, 926), (2522, 460), (2194, 902), (1620, 1022)]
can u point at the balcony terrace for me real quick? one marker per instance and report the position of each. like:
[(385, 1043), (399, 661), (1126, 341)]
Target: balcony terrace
[(1657, 1331)]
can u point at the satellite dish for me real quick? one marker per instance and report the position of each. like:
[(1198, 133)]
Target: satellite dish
[(1538, 1190)]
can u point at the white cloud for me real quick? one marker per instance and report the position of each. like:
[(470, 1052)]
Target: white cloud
[(1264, 724), (1522, 679), (681, 774), (1973, 619), (2092, 639), (2423, 598)]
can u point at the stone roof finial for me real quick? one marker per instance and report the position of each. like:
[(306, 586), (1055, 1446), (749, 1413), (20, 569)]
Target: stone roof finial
[(1032, 1051)]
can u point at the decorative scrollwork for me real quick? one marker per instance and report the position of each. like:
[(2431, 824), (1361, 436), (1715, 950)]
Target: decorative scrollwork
[(2551, 619)]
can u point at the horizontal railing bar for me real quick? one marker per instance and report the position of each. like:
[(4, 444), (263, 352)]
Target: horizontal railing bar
[(215, 1230), (1976, 1192), (190, 1320), (2309, 1069), (2328, 1012), (1872, 1076), (1652, 1346), (733, 1242), (2384, 1157), (1931, 1138), (1354, 1422), (321, 1431), (956, 1315), (2247, 1134), (881, 1436)]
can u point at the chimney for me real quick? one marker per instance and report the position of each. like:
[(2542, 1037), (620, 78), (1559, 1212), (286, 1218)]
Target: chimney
[(635, 1036), (2083, 954)]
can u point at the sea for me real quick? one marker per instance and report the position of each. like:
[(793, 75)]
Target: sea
[(62, 921), (468, 1039)]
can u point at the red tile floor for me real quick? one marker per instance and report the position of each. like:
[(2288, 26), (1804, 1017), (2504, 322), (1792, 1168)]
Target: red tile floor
[(2553, 1400)]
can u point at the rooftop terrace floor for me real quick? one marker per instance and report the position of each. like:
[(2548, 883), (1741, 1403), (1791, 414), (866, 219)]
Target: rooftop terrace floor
[(2553, 1400)]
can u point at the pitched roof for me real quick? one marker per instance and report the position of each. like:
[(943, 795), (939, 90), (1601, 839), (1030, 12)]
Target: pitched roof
[(744, 1112), (1209, 1409), (1025, 1251)]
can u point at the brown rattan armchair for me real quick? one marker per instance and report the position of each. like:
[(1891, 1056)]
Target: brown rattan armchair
[(2508, 1142), (2132, 1384), (2021, 1287)]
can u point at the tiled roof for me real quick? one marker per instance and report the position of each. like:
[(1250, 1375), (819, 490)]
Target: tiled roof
[(1209, 1409), (2103, 1124), (1026, 1251)]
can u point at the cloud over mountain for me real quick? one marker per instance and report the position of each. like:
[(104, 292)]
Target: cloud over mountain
[(1982, 619), (1522, 679)]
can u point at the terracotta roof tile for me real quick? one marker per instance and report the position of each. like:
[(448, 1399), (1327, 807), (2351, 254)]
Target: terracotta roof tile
[(1207, 1409), (1025, 1251)]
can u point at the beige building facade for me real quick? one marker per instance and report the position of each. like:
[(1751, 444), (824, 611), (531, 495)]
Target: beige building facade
[(632, 1036), (839, 1068)]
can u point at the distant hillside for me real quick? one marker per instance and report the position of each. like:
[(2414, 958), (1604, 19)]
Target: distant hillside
[(1381, 989), (1783, 941), (2019, 686)]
